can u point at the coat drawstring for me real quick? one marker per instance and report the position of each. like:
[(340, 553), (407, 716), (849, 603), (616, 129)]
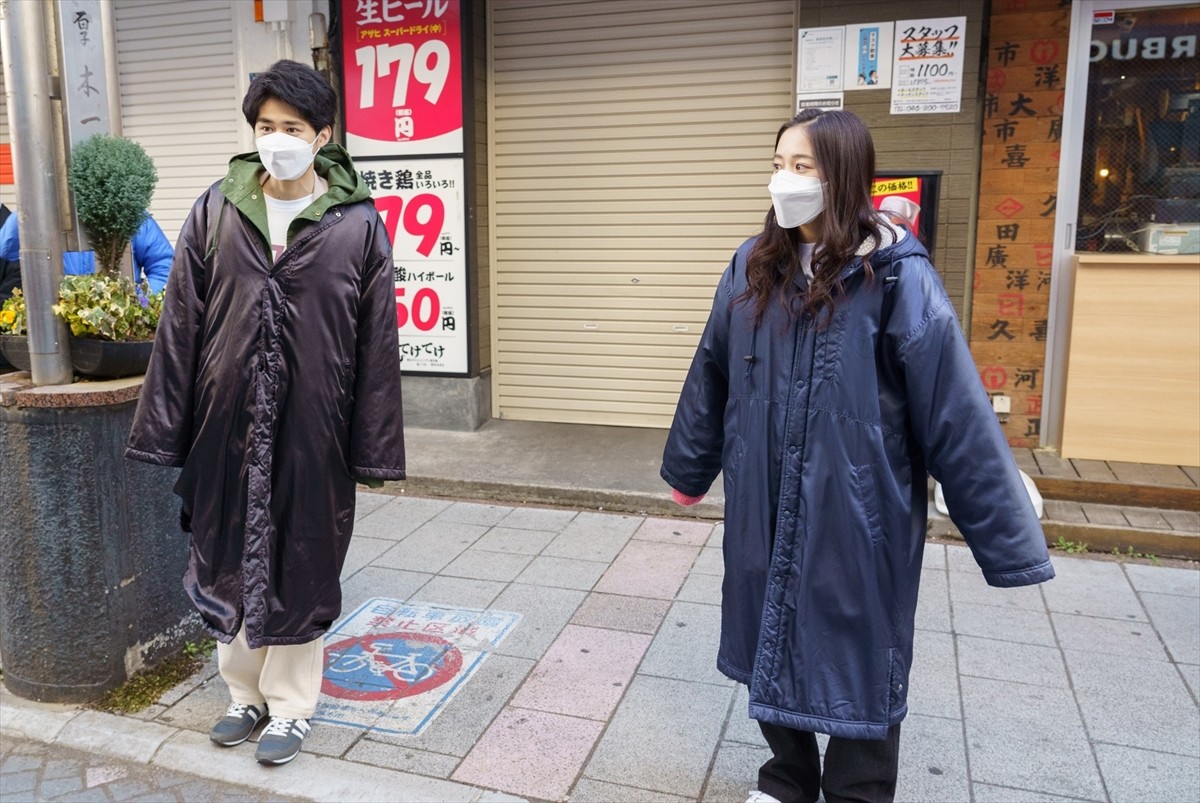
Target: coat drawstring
[(750, 358), (885, 311)]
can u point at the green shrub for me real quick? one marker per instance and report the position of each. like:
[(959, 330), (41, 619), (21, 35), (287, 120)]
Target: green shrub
[(113, 180)]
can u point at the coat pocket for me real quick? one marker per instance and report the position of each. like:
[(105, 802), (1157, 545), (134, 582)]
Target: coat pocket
[(868, 498), (896, 680), (731, 464)]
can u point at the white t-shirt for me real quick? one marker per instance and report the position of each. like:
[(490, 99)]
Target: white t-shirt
[(806, 254), (280, 215)]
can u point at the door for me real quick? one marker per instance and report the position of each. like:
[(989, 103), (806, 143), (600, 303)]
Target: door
[(1129, 160)]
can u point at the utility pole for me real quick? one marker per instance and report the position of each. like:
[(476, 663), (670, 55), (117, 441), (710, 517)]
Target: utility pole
[(30, 114)]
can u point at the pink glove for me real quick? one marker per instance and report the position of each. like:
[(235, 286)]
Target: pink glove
[(684, 499)]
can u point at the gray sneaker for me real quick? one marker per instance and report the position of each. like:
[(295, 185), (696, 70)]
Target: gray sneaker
[(280, 740), (237, 724)]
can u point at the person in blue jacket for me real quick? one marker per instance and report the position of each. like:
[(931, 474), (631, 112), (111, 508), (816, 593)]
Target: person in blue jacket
[(10, 271), (832, 375), (152, 253)]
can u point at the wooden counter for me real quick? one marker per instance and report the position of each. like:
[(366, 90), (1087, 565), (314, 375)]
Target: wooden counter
[(1133, 363)]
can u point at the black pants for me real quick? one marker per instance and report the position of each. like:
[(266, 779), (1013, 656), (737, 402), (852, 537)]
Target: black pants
[(858, 770)]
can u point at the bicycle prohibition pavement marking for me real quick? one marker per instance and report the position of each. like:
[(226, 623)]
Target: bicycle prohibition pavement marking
[(393, 665), (387, 666)]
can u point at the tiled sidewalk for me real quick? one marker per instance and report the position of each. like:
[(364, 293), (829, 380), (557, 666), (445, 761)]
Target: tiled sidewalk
[(606, 689)]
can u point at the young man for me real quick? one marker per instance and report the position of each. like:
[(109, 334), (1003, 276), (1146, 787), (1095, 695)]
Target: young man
[(275, 384)]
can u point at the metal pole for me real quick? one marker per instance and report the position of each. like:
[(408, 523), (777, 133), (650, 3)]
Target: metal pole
[(27, 80)]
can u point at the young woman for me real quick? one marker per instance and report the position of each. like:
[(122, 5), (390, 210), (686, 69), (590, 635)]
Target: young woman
[(831, 377)]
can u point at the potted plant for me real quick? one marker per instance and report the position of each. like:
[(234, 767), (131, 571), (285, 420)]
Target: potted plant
[(112, 323), (112, 320), (13, 341)]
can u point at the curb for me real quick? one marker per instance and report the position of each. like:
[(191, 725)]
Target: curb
[(191, 753), (1098, 538), (1123, 494), (1102, 538), (1162, 543), (641, 503)]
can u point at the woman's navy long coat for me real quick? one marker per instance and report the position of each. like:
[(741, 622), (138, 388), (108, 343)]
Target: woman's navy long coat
[(825, 436)]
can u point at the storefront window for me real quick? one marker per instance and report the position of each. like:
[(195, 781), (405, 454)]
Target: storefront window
[(1140, 173)]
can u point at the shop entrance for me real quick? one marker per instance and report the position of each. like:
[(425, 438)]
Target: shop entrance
[(1124, 331)]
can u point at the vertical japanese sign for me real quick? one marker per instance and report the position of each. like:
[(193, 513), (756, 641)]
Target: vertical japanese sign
[(402, 66), (421, 203), (403, 87), (929, 57), (84, 82), (868, 59), (1018, 200)]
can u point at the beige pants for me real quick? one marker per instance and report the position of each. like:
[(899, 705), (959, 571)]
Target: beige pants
[(287, 678)]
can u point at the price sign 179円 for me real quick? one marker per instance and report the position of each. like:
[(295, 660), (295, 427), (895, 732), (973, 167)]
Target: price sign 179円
[(402, 72)]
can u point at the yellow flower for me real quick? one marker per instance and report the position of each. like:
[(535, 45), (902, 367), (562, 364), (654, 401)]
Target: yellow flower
[(7, 317)]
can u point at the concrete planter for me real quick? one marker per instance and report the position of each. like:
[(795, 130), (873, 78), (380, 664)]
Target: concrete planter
[(91, 554)]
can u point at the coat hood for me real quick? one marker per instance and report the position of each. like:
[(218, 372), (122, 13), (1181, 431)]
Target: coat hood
[(333, 164), (900, 243), (243, 187), (894, 249)]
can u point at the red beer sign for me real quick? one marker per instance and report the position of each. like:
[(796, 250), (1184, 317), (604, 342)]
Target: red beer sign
[(402, 73)]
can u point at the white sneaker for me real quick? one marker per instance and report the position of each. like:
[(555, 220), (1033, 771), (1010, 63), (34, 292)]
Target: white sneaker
[(237, 724), (280, 740), (761, 797)]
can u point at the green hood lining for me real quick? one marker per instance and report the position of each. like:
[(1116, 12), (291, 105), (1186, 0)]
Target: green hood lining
[(242, 186)]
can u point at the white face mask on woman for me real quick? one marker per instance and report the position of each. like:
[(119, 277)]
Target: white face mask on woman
[(285, 157), (797, 199)]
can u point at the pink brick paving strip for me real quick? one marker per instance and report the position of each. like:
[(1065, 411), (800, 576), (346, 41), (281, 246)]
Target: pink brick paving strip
[(584, 673), (530, 753), (674, 531), (648, 569)]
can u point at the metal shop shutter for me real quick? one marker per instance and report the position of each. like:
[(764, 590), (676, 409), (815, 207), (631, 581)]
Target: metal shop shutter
[(179, 98), (8, 194), (631, 148)]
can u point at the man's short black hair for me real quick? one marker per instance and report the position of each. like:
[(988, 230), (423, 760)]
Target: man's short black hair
[(300, 87)]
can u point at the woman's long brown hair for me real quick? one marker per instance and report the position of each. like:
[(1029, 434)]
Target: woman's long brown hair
[(845, 157)]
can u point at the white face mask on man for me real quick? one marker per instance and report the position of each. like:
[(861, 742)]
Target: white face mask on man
[(285, 157), (797, 199)]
